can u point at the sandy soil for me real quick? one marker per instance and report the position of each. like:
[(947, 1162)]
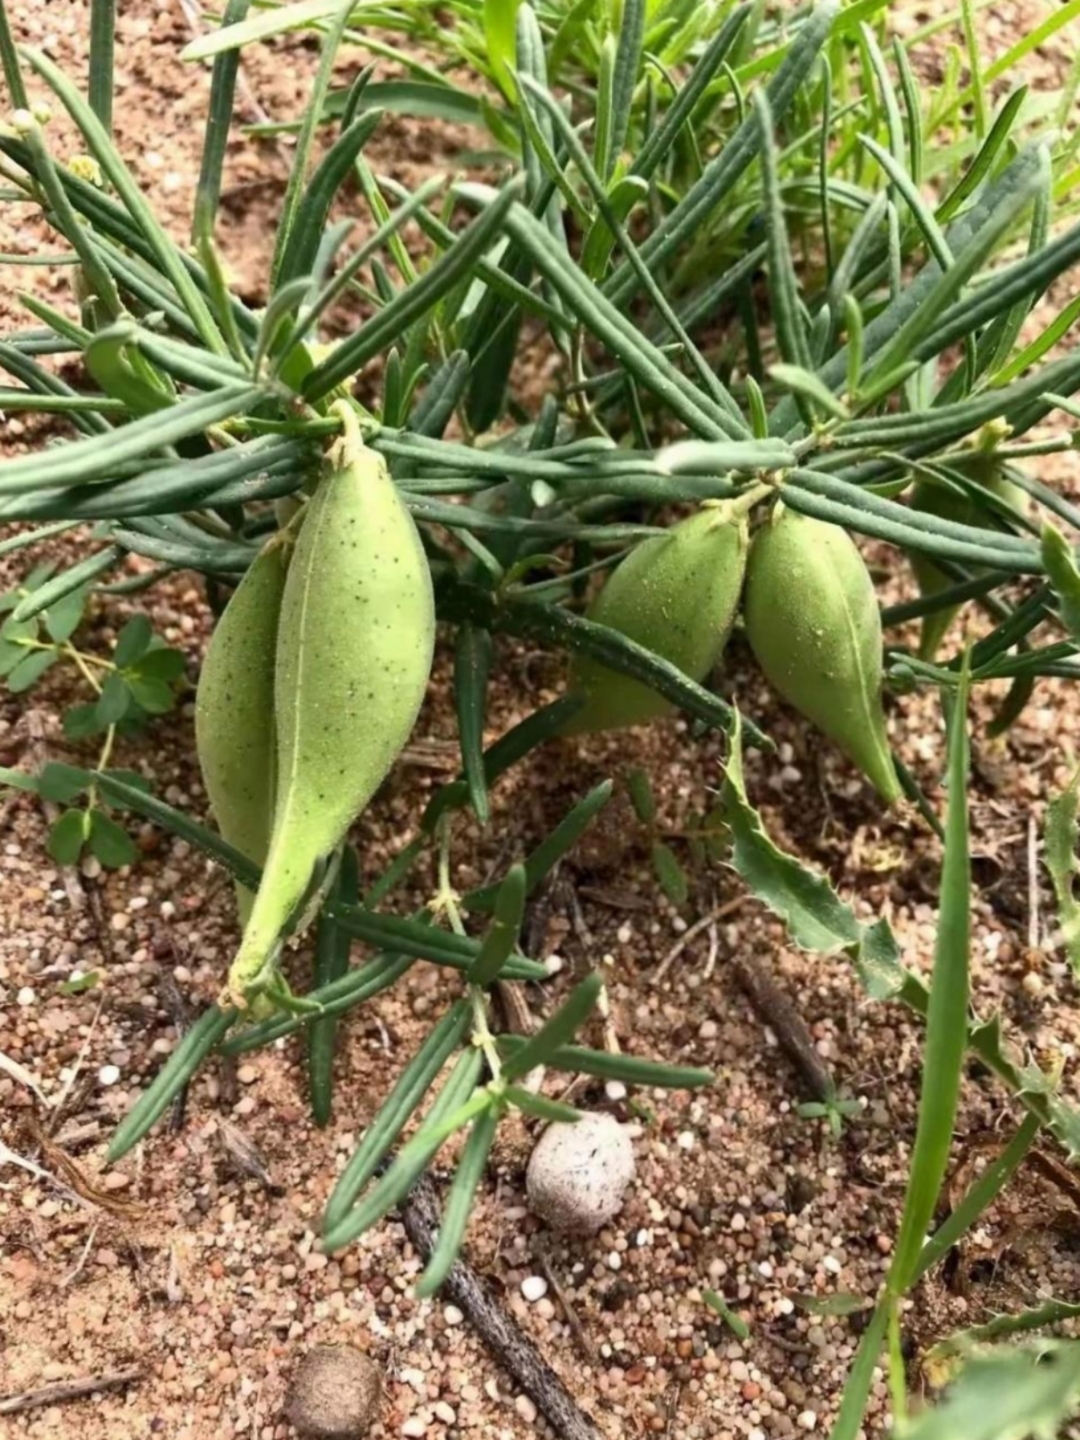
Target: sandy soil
[(213, 1283)]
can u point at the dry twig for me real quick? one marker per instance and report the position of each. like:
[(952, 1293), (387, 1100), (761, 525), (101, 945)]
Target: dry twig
[(65, 1390), (511, 1347), (776, 1010)]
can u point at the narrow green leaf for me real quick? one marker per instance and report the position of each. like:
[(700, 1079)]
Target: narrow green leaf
[(61, 585), (472, 662), (551, 850), (1061, 861), (670, 873), (459, 1202), (332, 948), (98, 457), (411, 304), (946, 1038), (558, 1030), (174, 1075), (540, 1107), (735, 1323), (407, 1095), (218, 122), (1061, 567), (501, 937), (412, 1160)]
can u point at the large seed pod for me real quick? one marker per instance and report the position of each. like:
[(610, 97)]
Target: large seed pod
[(354, 654), (813, 623), (234, 712), (950, 504), (677, 595)]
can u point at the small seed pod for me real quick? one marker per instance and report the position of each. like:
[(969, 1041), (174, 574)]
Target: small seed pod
[(813, 623), (677, 595), (950, 504), (234, 712), (354, 652)]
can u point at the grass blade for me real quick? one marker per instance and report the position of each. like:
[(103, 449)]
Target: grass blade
[(218, 122), (946, 1040)]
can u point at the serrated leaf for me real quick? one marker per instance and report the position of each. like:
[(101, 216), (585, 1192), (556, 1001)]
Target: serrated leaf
[(133, 641), (114, 701), (1061, 861), (669, 872), (1008, 1394), (64, 618), (67, 836), (1064, 576), (110, 842), (816, 917), (155, 697), (61, 783), (30, 669), (877, 960)]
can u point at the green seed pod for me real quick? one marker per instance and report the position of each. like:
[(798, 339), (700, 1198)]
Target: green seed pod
[(813, 623), (234, 712), (950, 504), (354, 652), (677, 595)]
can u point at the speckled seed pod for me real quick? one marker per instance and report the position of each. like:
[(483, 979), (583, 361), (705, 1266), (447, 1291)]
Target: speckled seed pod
[(234, 712), (677, 595), (354, 652), (949, 504), (578, 1173), (813, 623)]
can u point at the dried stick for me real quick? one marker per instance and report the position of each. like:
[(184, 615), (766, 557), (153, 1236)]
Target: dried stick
[(511, 1347), (64, 1390), (776, 1010), (688, 936)]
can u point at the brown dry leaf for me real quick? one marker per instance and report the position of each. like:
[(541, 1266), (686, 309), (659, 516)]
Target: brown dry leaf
[(58, 1160)]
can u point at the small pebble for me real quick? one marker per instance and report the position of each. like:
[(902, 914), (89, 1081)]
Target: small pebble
[(452, 1315), (579, 1172), (534, 1287), (414, 1427), (526, 1409), (108, 1074), (444, 1412)]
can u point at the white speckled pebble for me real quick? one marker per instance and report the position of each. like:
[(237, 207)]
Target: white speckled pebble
[(579, 1172)]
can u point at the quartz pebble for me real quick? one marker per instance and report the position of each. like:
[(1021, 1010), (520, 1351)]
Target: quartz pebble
[(578, 1173), (534, 1287)]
